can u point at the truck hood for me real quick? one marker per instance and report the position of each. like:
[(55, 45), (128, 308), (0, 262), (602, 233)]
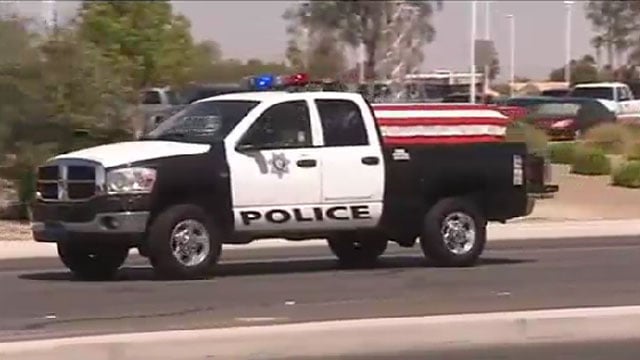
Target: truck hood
[(610, 104), (128, 152)]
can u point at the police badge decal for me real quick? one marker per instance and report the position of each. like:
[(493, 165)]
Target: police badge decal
[(279, 164)]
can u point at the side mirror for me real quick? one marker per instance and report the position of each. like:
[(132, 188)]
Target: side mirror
[(157, 119), (245, 147)]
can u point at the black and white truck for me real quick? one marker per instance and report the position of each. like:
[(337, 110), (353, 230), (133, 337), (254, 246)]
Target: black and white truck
[(240, 167)]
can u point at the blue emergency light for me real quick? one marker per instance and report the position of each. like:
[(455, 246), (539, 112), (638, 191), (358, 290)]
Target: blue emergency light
[(264, 82)]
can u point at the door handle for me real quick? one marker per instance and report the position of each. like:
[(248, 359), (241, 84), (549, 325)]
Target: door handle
[(306, 163), (370, 160)]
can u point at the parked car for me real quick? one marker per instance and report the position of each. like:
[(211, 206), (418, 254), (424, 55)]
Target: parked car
[(568, 118), (555, 92), (463, 97)]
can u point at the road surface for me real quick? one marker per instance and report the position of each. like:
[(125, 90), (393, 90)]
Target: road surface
[(270, 286)]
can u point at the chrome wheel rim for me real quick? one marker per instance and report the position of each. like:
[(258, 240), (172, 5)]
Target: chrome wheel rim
[(459, 233), (190, 243)]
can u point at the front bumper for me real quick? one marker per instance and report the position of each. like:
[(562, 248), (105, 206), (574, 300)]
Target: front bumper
[(125, 227), (111, 219)]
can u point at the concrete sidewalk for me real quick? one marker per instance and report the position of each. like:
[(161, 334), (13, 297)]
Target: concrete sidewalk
[(342, 338), (515, 230)]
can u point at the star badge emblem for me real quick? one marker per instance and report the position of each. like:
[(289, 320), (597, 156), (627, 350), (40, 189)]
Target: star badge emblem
[(279, 164)]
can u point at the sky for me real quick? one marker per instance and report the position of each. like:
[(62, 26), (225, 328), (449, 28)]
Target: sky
[(255, 29)]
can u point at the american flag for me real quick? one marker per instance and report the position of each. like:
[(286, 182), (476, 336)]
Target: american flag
[(404, 124)]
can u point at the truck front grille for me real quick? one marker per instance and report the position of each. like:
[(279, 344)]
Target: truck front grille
[(76, 181)]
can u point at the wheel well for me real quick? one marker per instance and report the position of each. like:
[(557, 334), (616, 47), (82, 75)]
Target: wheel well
[(207, 203)]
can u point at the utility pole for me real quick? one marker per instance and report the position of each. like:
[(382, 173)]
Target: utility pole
[(487, 36), (512, 60), (472, 60), (567, 55)]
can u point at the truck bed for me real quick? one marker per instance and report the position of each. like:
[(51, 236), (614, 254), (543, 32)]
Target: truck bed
[(435, 171)]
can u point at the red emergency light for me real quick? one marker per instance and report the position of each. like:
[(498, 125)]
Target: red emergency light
[(297, 79)]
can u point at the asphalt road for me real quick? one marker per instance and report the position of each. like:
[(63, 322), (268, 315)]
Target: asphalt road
[(39, 299)]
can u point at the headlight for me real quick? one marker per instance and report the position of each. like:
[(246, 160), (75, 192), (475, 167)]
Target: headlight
[(131, 180)]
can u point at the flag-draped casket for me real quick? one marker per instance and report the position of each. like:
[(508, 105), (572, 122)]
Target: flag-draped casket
[(404, 124)]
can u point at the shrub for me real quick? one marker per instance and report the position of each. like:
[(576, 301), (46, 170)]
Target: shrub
[(610, 138), (562, 152), (633, 150), (590, 161), (535, 139), (627, 175)]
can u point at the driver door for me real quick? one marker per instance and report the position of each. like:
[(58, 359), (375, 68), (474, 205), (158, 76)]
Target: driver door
[(274, 170)]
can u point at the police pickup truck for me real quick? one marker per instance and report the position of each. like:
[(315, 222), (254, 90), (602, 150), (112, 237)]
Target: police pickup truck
[(240, 167)]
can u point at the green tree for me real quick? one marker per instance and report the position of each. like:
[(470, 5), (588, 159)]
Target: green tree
[(206, 55), (494, 68), (144, 39), (614, 22), (582, 71), (358, 22), (325, 57)]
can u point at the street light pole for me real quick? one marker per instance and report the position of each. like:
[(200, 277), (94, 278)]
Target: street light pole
[(512, 60), (567, 59), (361, 57), (472, 83), (487, 36)]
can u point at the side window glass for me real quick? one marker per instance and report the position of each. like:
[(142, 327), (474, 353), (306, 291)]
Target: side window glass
[(151, 98), (342, 123), (284, 125)]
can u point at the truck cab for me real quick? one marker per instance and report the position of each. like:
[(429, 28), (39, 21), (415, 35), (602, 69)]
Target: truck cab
[(617, 96), (241, 167)]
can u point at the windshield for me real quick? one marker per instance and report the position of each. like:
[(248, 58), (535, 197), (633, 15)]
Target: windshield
[(593, 92), (204, 122), (557, 109)]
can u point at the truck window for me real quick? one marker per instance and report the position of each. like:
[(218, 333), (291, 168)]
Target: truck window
[(151, 97), (342, 123), (593, 92), (204, 122), (284, 125), (173, 97), (623, 94)]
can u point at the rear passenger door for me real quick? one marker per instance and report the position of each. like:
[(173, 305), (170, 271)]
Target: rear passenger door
[(352, 165)]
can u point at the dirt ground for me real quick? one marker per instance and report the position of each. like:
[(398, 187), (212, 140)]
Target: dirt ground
[(586, 198), (579, 198)]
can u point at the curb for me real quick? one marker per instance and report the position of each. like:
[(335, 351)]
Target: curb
[(351, 337)]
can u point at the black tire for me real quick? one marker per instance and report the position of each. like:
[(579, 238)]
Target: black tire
[(92, 262), (433, 243), (357, 250), (168, 266)]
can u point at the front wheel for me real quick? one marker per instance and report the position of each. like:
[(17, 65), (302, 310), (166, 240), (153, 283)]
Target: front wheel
[(183, 243), (357, 249), (454, 233), (92, 262)]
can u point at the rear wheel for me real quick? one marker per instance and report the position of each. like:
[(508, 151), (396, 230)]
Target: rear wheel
[(357, 249), (183, 243), (454, 233), (92, 262)]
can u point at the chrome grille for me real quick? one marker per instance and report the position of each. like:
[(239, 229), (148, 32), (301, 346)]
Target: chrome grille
[(69, 181)]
